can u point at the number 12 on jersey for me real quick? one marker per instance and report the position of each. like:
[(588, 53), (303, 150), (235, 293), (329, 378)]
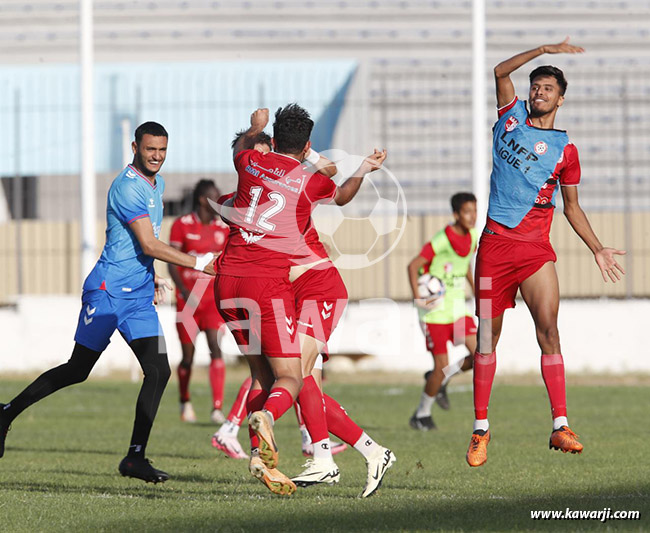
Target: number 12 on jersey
[(278, 200)]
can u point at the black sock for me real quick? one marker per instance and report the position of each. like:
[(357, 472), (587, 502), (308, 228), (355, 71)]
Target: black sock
[(74, 371), (152, 356)]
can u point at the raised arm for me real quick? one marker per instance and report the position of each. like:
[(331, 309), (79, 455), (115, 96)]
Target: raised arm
[(604, 256), (346, 191), (504, 86), (164, 252), (259, 120)]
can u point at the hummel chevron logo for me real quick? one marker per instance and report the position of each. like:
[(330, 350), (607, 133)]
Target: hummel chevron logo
[(88, 318), (290, 327), (326, 312)]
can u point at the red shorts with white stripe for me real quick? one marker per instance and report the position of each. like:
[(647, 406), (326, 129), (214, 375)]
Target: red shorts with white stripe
[(260, 313), (437, 335), (190, 321), (321, 298), (502, 264)]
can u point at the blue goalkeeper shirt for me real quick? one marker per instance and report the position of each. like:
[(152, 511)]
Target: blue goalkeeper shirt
[(123, 270)]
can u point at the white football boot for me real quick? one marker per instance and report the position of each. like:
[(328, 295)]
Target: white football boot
[(378, 464), (318, 471)]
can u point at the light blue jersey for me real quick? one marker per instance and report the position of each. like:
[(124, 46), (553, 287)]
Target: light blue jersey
[(123, 270), (523, 159)]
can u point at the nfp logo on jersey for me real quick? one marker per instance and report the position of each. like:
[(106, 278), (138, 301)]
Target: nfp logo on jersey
[(540, 148)]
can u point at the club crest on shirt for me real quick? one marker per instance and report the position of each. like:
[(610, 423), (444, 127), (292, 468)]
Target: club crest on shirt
[(540, 148), (250, 238), (151, 203), (511, 123)]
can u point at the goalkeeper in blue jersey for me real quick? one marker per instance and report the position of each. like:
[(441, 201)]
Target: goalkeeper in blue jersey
[(119, 293)]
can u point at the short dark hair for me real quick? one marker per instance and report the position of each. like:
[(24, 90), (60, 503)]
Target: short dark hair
[(260, 138), (200, 189), (550, 71), (149, 128), (291, 129), (459, 199)]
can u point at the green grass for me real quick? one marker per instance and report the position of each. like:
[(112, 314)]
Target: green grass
[(59, 472)]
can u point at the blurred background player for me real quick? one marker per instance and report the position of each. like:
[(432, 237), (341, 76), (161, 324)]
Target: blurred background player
[(196, 233), (529, 159), (119, 294), (448, 257)]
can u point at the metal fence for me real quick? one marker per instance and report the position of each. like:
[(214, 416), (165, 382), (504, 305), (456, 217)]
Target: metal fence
[(420, 110)]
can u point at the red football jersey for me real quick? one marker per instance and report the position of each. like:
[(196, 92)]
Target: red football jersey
[(272, 209), (311, 249), (191, 236)]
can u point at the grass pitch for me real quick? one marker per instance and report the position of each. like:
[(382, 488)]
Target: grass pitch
[(59, 472)]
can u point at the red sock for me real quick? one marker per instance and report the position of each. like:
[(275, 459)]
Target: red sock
[(255, 402), (301, 421), (278, 402), (217, 382), (313, 409), (553, 374), (238, 409), (484, 368), (339, 423), (184, 374)]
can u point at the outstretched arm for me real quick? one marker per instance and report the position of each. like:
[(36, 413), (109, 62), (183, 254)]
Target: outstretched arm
[(604, 256), (259, 120), (164, 252), (505, 88), (350, 186)]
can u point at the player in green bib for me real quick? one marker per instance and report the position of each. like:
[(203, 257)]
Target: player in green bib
[(444, 319)]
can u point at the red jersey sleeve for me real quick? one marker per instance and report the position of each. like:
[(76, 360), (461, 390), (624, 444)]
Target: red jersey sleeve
[(320, 187), (177, 233), (570, 174), (242, 158), (427, 252), (503, 110)]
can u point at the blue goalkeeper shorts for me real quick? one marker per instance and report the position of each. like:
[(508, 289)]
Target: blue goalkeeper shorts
[(101, 315)]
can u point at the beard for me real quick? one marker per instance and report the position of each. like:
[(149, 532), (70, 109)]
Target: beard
[(142, 166)]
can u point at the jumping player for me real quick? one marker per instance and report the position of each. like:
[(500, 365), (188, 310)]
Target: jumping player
[(529, 159), (195, 233), (447, 256), (119, 294)]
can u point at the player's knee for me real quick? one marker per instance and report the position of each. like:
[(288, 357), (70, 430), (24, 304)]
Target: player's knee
[(163, 370), (549, 335), (78, 373)]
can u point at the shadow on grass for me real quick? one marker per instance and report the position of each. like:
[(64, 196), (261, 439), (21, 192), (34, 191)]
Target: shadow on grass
[(94, 451), (386, 514)]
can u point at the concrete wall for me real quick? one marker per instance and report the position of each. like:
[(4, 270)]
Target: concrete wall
[(599, 336)]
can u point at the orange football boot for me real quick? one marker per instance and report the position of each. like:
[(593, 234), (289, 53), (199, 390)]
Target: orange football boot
[(274, 480), (477, 452), (564, 439), (262, 424)]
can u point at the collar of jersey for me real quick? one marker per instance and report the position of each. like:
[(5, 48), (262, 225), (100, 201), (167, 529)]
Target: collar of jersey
[(143, 177), (284, 155)]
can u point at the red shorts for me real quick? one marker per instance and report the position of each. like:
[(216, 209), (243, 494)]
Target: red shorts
[(437, 335), (321, 298), (189, 322), (502, 264), (260, 313)]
